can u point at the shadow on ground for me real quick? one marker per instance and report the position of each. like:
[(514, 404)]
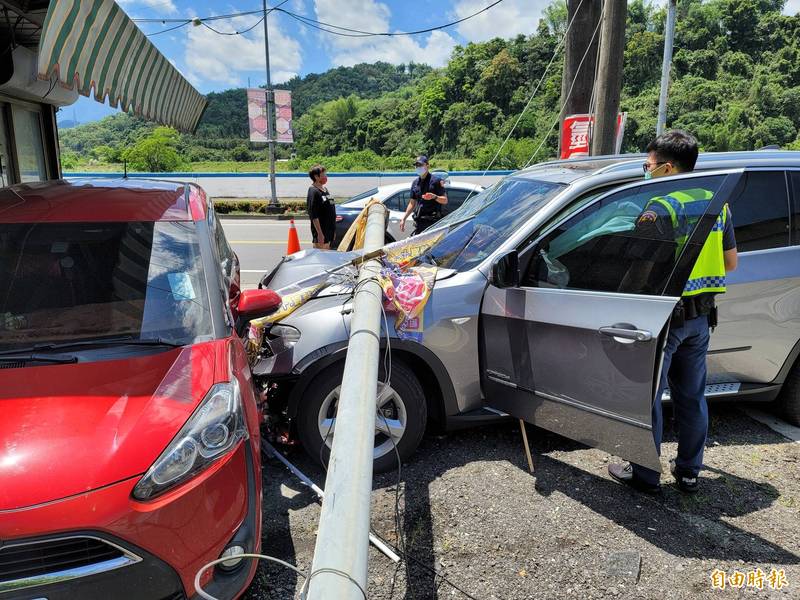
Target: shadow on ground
[(683, 527)]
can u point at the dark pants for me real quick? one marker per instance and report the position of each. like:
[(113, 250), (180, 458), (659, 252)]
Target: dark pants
[(685, 370), (422, 224)]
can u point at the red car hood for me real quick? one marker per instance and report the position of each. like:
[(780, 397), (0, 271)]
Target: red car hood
[(68, 429)]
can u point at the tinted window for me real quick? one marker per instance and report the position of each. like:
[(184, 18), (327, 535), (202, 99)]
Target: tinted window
[(399, 201), (761, 212), (795, 179), (62, 282), (606, 247), (361, 196), (455, 198), (30, 146)]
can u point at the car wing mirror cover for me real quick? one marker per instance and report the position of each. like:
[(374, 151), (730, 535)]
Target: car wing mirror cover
[(505, 270), (257, 303)]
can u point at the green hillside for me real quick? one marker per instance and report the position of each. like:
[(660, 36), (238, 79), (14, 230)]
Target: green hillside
[(736, 84)]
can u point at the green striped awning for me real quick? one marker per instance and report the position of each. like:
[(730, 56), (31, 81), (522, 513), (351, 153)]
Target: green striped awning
[(93, 44)]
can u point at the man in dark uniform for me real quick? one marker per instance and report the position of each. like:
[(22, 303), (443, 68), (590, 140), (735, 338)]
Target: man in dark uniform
[(672, 218), (427, 198)]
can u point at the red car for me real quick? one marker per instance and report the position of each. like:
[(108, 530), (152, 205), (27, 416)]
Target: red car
[(129, 424)]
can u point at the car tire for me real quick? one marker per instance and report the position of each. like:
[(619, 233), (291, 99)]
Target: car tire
[(789, 399), (406, 405)]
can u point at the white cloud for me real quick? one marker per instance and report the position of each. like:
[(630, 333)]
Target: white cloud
[(371, 15), (506, 20), (792, 7), (223, 59), (163, 6)]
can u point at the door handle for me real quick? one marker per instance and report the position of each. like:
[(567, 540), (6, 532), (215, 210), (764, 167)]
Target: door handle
[(637, 335)]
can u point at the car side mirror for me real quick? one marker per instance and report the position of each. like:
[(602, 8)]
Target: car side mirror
[(257, 303), (505, 271)]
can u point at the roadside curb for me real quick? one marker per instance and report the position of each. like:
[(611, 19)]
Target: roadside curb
[(225, 217)]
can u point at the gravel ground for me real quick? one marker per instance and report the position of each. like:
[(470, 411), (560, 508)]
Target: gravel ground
[(472, 512)]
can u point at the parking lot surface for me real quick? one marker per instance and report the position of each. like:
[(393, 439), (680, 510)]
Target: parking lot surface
[(476, 524)]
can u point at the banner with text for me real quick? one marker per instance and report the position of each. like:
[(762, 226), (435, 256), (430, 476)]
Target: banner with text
[(576, 135)]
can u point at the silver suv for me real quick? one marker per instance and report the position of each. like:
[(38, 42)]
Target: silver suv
[(532, 313)]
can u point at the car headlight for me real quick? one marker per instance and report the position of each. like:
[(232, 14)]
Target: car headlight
[(289, 335), (212, 431)]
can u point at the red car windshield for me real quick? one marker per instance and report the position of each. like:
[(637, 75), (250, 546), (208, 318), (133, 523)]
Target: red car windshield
[(67, 282)]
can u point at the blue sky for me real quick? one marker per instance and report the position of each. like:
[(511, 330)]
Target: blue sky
[(215, 62)]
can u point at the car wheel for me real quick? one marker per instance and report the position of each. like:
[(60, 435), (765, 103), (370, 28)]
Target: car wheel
[(400, 423), (789, 399)]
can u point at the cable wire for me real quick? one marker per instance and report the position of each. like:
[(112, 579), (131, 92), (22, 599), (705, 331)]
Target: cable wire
[(532, 96), (361, 33), (569, 93), (320, 25)]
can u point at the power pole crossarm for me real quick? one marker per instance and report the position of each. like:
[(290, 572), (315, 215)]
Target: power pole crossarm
[(609, 76), (669, 40)]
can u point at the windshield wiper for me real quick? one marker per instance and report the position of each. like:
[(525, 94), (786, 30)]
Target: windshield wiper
[(118, 341), (33, 357)]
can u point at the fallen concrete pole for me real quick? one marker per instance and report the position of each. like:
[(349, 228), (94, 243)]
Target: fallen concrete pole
[(339, 569), (269, 450)]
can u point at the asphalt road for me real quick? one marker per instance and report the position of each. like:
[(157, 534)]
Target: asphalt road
[(260, 244)]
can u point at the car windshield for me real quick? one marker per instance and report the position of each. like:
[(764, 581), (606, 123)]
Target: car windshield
[(487, 219), (357, 197), (73, 282)]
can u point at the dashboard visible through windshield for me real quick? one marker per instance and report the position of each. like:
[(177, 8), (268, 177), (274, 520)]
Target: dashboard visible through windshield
[(487, 219), (69, 282)]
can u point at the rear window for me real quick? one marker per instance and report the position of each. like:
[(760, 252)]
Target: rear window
[(64, 282), (361, 196)]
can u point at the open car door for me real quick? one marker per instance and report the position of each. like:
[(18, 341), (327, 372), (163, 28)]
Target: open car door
[(574, 345)]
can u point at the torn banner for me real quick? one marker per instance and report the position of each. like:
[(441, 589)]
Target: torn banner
[(405, 292)]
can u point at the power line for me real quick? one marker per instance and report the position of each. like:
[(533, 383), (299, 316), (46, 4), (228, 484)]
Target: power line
[(309, 22), (569, 93), (361, 33)]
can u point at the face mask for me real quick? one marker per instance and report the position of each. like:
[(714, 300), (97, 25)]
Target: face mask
[(421, 171), (648, 175)]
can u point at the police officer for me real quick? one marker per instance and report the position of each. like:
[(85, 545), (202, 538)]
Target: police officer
[(673, 217), (427, 197)]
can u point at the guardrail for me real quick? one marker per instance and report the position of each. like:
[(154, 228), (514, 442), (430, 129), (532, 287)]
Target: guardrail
[(381, 174)]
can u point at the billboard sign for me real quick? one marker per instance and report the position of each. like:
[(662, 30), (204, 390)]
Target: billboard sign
[(576, 134)]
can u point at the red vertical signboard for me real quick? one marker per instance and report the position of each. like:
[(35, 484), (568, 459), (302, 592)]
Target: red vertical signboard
[(576, 135)]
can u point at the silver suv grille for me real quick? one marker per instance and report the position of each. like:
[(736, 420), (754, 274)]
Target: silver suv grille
[(28, 564)]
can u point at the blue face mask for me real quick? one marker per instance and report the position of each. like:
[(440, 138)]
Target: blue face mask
[(421, 171)]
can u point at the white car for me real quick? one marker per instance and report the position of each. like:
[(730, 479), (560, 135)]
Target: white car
[(395, 197)]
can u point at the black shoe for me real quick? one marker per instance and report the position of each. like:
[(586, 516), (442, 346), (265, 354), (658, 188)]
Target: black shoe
[(624, 474), (686, 483)]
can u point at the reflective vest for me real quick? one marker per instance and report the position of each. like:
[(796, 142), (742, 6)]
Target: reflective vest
[(685, 209)]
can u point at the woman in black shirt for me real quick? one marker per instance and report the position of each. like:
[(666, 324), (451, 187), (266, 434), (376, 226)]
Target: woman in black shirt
[(321, 209)]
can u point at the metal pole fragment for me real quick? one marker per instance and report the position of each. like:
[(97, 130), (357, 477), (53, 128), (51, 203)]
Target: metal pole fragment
[(374, 540), (342, 549), (270, 114), (669, 40)]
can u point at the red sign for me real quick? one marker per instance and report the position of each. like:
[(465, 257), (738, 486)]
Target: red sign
[(576, 135)]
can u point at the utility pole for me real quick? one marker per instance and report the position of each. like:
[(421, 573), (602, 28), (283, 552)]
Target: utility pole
[(669, 39), (273, 202), (584, 18), (609, 76)]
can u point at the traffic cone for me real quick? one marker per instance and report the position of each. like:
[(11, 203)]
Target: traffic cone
[(294, 242)]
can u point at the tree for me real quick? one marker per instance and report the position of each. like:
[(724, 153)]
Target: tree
[(157, 152)]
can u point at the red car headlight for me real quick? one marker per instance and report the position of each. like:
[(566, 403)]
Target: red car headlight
[(213, 430)]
